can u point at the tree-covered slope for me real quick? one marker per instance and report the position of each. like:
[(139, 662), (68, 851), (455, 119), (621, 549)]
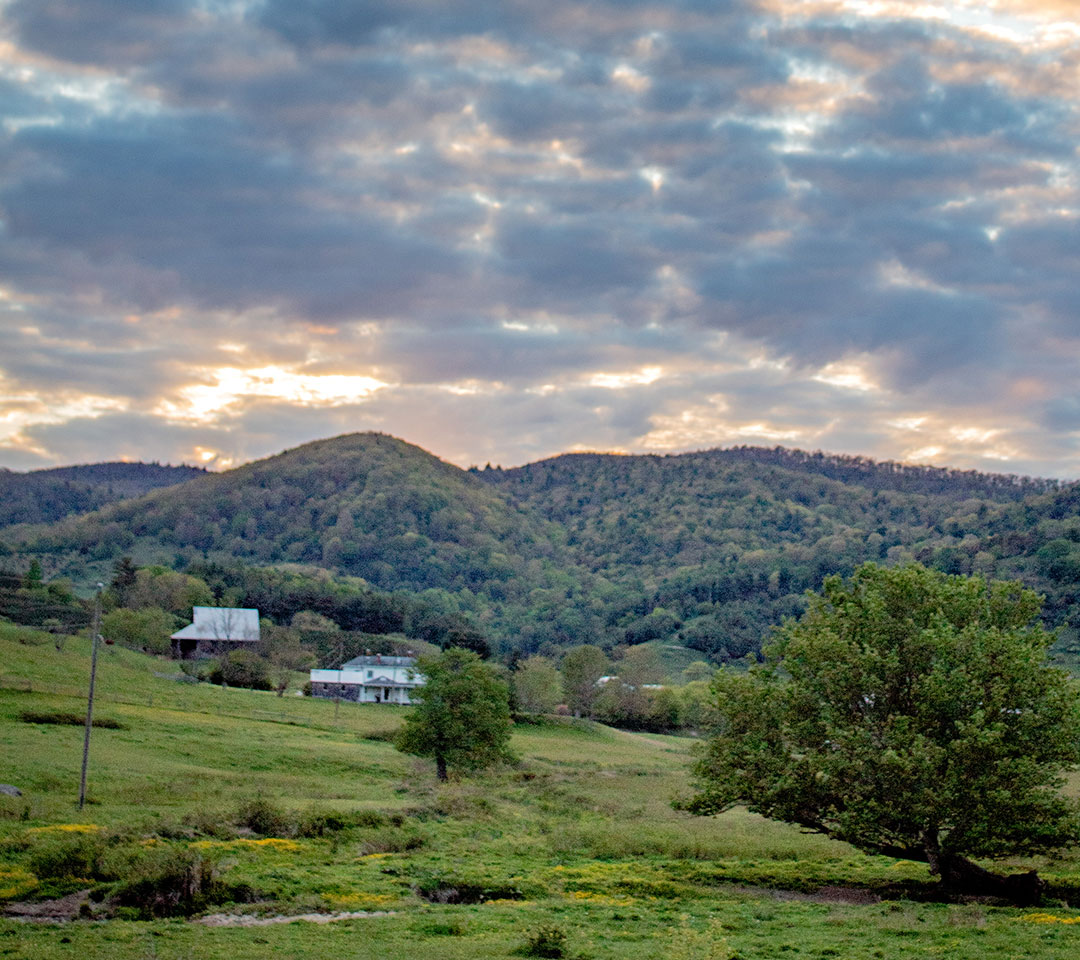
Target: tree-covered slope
[(725, 542), (367, 505), (708, 549), (45, 496)]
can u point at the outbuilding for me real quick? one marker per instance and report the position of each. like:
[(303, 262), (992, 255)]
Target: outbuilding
[(216, 630)]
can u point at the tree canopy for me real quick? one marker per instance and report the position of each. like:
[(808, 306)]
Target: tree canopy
[(463, 717), (909, 713)]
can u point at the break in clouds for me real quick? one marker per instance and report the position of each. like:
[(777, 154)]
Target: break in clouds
[(507, 229)]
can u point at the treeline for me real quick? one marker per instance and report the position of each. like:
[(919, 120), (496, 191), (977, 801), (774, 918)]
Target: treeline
[(45, 496), (890, 475), (626, 687)]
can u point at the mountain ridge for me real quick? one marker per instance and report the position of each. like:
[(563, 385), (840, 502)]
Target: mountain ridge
[(708, 548)]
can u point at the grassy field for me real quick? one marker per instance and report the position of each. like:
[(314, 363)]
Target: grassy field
[(286, 806)]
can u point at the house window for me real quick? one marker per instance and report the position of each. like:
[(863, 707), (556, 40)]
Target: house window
[(370, 674)]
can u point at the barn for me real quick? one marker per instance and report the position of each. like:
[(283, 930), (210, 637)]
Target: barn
[(216, 630)]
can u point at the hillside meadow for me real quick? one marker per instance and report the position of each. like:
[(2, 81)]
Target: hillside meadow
[(270, 807)]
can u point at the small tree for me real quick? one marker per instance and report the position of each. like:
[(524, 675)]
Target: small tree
[(287, 656), (911, 714), (123, 582), (537, 685), (34, 577), (146, 629), (581, 668), (463, 717)]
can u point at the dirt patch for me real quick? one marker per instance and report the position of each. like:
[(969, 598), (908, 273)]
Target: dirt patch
[(243, 920), (49, 911)]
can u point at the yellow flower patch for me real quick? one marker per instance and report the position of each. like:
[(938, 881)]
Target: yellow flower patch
[(245, 843), (358, 900), (374, 856), (600, 899), (65, 828), (1048, 918), (15, 882)]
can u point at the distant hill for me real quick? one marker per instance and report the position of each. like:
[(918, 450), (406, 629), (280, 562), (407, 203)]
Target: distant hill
[(728, 541), (705, 549), (368, 505), (45, 496)]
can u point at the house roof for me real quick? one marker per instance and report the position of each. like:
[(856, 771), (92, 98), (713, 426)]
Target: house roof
[(221, 623), (379, 661)]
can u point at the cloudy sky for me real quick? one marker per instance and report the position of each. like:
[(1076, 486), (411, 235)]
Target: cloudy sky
[(504, 229)]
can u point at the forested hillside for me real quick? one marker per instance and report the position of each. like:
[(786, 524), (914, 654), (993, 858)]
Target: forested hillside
[(45, 496), (725, 542), (708, 549)]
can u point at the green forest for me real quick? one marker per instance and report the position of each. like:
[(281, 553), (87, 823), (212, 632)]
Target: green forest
[(705, 550)]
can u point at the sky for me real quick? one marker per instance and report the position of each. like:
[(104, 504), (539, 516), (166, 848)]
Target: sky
[(506, 229)]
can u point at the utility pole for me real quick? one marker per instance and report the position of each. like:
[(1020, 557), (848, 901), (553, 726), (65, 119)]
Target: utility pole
[(90, 699)]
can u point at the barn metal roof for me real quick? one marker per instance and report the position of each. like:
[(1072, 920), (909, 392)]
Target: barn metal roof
[(221, 623)]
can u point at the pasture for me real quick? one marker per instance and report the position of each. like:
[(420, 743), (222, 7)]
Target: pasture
[(289, 806)]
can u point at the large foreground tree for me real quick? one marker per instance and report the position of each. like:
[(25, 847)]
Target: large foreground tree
[(911, 714), (463, 717)]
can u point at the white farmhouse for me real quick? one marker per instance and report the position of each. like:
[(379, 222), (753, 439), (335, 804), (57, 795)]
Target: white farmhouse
[(369, 679), (216, 630)]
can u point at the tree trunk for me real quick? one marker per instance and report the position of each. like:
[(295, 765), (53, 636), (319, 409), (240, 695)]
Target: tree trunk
[(440, 767), (961, 876)]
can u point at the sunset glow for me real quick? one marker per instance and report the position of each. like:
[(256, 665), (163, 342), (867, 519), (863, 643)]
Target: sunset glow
[(227, 229)]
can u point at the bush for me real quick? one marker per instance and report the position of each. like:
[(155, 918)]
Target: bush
[(454, 888), (56, 854), (148, 629), (263, 817), (545, 941), (166, 881), (242, 668)]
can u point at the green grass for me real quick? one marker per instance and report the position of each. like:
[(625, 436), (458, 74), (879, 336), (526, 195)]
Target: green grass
[(580, 836)]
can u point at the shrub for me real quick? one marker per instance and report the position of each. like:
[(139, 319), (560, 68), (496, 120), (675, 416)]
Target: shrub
[(146, 629), (263, 817), (56, 854), (166, 881), (242, 668), (545, 941), (453, 888)]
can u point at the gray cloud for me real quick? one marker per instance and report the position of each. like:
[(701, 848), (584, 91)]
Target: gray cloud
[(529, 195)]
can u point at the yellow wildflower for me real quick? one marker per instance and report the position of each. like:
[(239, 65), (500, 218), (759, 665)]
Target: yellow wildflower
[(358, 899), (66, 828), (1048, 918), (15, 882)]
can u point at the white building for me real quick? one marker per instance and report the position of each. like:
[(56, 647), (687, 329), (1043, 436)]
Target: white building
[(216, 630), (369, 679)]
